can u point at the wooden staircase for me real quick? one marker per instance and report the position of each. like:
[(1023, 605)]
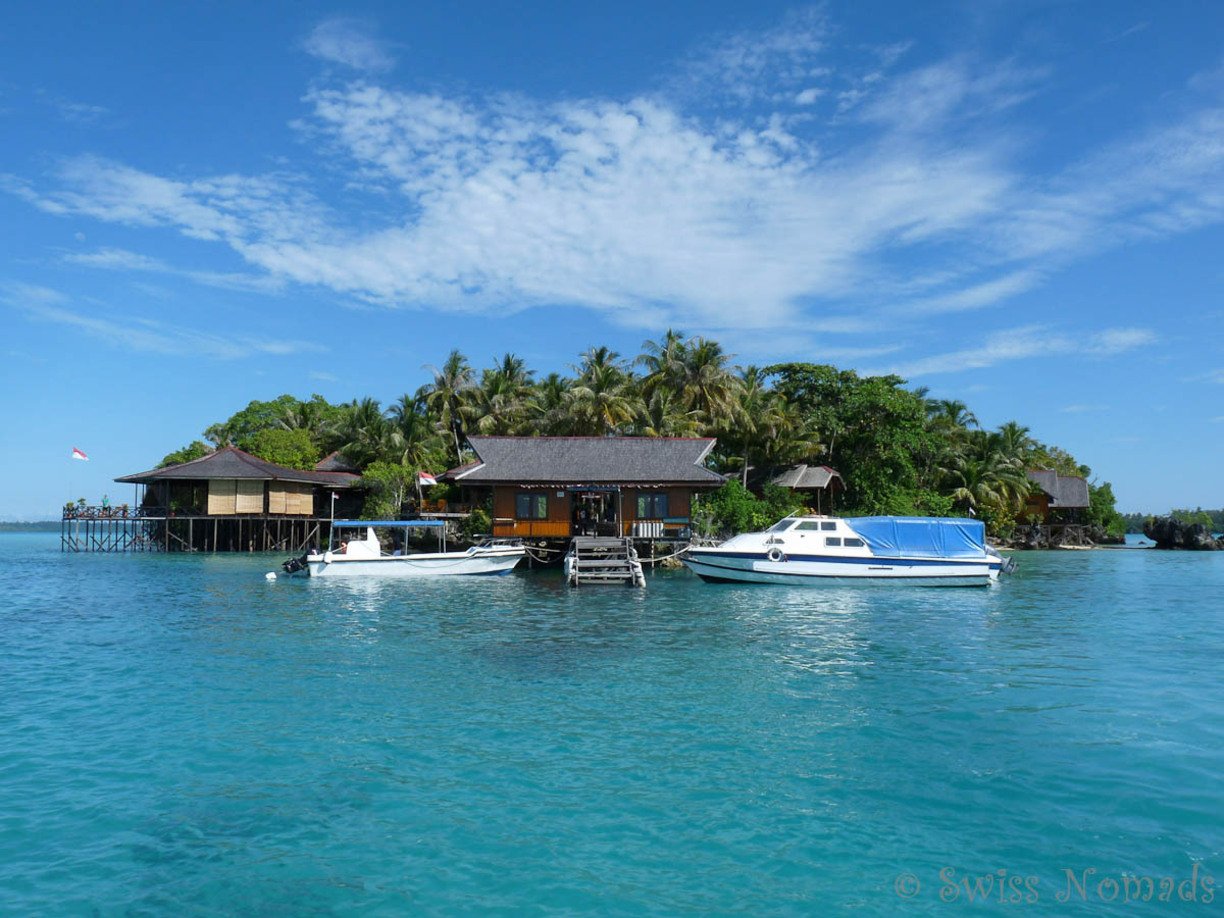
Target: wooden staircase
[(603, 560)]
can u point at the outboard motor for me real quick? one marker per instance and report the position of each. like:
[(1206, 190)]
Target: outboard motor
[(293, 565)]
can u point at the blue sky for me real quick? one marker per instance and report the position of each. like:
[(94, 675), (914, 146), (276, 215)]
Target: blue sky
[(1020, 205)]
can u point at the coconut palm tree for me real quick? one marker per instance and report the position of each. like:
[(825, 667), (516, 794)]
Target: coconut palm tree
[(448, 394), (662, 415), (546, 407)]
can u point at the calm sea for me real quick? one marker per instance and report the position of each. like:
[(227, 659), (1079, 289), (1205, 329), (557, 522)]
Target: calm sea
[(180, 737)]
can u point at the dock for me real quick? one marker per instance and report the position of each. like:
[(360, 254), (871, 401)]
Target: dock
[(603, 560)]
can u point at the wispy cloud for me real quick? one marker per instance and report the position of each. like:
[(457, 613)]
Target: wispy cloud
[(1083, 409), (654, 210), (112, 259), (74, 112), (351, 42), (135, 333), (1024, 342)]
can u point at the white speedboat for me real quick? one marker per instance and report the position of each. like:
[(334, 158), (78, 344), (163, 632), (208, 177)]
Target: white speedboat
[(815, 550), (362, 554)]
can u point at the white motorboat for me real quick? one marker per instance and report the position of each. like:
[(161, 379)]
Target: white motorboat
[(816, 550), (363, 556)]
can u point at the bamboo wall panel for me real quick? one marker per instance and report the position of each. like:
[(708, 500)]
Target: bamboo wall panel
[(249, 497), (221, 497)]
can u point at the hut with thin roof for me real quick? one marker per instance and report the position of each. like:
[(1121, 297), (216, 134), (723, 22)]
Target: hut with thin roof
[(819, 482), (558, 487), (230, 500), (1056, 498)]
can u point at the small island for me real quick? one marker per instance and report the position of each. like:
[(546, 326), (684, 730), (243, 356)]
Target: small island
[(787, 437)]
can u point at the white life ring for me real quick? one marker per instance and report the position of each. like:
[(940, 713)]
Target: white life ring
[(775, 554)]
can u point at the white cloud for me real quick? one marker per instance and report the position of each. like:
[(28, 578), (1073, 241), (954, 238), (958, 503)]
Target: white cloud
[(135, 333), (783, 216), (1083, 409), (112, 259), (1024, 342), (348, 41)]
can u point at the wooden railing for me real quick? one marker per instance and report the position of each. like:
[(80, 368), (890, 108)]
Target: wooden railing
[(531, 529)]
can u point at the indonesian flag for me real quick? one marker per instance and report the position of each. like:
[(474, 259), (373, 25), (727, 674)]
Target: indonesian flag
[(426, 479), (79, 454)]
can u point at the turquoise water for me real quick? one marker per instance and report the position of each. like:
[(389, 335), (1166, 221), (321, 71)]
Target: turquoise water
[(180, 737)]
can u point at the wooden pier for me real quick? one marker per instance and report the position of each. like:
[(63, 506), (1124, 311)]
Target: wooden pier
[(603, 560), (102, 529)]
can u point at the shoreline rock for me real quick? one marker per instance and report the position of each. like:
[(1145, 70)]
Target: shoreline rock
[(1169, 533)]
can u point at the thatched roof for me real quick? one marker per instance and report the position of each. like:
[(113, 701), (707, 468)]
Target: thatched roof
[(1066, 492), (588, 460), (809, 477), (231, 462)]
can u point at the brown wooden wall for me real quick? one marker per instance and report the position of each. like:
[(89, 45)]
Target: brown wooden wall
[(560, 510)]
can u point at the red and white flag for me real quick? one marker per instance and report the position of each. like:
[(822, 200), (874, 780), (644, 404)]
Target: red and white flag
[(79, 454), (426, 479)]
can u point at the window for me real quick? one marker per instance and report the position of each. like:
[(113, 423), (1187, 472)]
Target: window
[(531, 506), (853, 543), (781, 525), (808, 526), (835, 541), (828, 527), (651, 506)]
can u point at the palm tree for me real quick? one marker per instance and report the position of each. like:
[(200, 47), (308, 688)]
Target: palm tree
[(599, 400), (364, 432), (662, 360), (545, 407), (953, 414), (705, 381), (447, 395), (498, 405), (662, 415), (220, 435)]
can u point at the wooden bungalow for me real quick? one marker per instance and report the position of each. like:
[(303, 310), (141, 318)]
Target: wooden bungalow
[(230, 500), (1056, 498), (820, 482), (559, 487)]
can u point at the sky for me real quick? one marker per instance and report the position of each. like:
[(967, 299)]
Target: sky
[(1018, 205)]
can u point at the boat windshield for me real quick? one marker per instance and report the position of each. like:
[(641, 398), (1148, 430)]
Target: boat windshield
[(781, 525)]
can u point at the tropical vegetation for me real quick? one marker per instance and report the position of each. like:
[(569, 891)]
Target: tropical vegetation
[(898, 450)]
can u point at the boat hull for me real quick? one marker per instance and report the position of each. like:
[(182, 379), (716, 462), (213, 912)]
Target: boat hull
[(476, 562), (744, 567)]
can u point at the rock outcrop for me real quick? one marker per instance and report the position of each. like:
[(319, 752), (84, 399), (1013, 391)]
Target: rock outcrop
[(1168, 532)]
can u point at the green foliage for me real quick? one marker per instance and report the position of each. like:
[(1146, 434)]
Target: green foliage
[(876, 432), (733, 508), (898, 452), (196, 450), (292, 449), (1102, 510), (479, 523), (388, 487), (1192, 517)]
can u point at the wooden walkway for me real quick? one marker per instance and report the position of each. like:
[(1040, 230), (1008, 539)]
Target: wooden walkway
[(603, 560)]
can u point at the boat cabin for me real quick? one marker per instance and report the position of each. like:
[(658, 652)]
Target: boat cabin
[(560, 487)]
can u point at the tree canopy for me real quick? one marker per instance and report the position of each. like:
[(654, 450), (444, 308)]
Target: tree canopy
[(898, 451)]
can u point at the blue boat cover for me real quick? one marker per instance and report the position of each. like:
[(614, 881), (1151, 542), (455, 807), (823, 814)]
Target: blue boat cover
[(921, 536)]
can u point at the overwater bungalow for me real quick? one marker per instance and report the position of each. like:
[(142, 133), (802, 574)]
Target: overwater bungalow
[(1056, 509), (228, 500), (1057, 499), (554, 488)]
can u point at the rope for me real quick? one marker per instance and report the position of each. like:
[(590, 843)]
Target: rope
[(665, 557)]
